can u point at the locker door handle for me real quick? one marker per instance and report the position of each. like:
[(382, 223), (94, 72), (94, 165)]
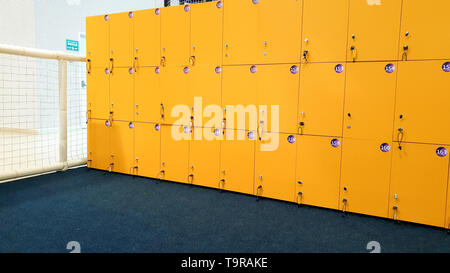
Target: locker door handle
[(258, 190), (162, 174), (163, 61), (135, 64), (395, 208), (162, 112), (405, 53), (89, 66), (192, 60), (300, 128), (354, 53), (344, 206), (111, 166), (300, 197), (400, 136), (260, 133), (191, 178), (222, 182), (89, 162), (111, 61), (305, 56)]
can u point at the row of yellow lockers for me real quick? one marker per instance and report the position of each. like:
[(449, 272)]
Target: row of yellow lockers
[(233, 32), (399, 101), (371, 177)]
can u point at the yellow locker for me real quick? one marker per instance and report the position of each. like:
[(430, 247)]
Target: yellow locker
[(275, 157), (370, 100), (422, 112), (122, 94), (237, 162), (374, 28), (175, 141), (239, 88), (325, 26), (425, 32), (122, 147), (419, 184), (175, 35), (98, 139), (280, 29), (241, 19), (318, 171), (98, 93), (97, 43), (365, 174), (206, 33), (148, 95), (321, 102), (147, 149), (204, 156), (147, 38), (176, 103), (277, 98), (205, 86), (121, 39)]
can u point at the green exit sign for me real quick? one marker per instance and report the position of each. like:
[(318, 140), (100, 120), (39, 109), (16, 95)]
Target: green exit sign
[(72, 45)]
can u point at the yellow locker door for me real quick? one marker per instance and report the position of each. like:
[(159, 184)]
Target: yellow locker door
[(239, 88), (240, 31), (422, 112), (374, 28), (147, 149), (321, 101), (148, 95), (147, 37), (206, 33), (97, 41), (175, 153), (121, 39), (98, 93), (205, 83), (425, 32), (370, 100), (122, 94), (318, 171), (278, 87), (365, 174), (175, 35), (237, 162), (98, 139), (122, 147), (419, 184), (176, 102), (204, 156), (275, 157), (325, 26), (280, 31)]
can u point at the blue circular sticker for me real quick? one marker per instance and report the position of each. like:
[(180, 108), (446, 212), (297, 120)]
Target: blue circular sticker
[(442, 152), (253, 69), (157, 70), (335, 143), (251, 135), (446, 67), (339, 68), (255, 1), (219, 4), (186, 70), (294, 69), (130, 14), (291, 139), (106, 17), (218, 70), (131, 70), (157, 127), (389, 68), (187, 8), (186, 129), (106, 71), (157, 11), (131, 125), (385, 147), (217, 132), (107, 123)]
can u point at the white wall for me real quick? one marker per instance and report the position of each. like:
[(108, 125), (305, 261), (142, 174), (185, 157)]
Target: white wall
[(17, 22)]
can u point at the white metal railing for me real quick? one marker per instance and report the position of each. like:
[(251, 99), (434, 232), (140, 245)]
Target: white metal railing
[(34, 129)]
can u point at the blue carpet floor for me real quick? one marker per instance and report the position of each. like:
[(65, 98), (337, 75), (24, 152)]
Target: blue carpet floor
[(117, 213)]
